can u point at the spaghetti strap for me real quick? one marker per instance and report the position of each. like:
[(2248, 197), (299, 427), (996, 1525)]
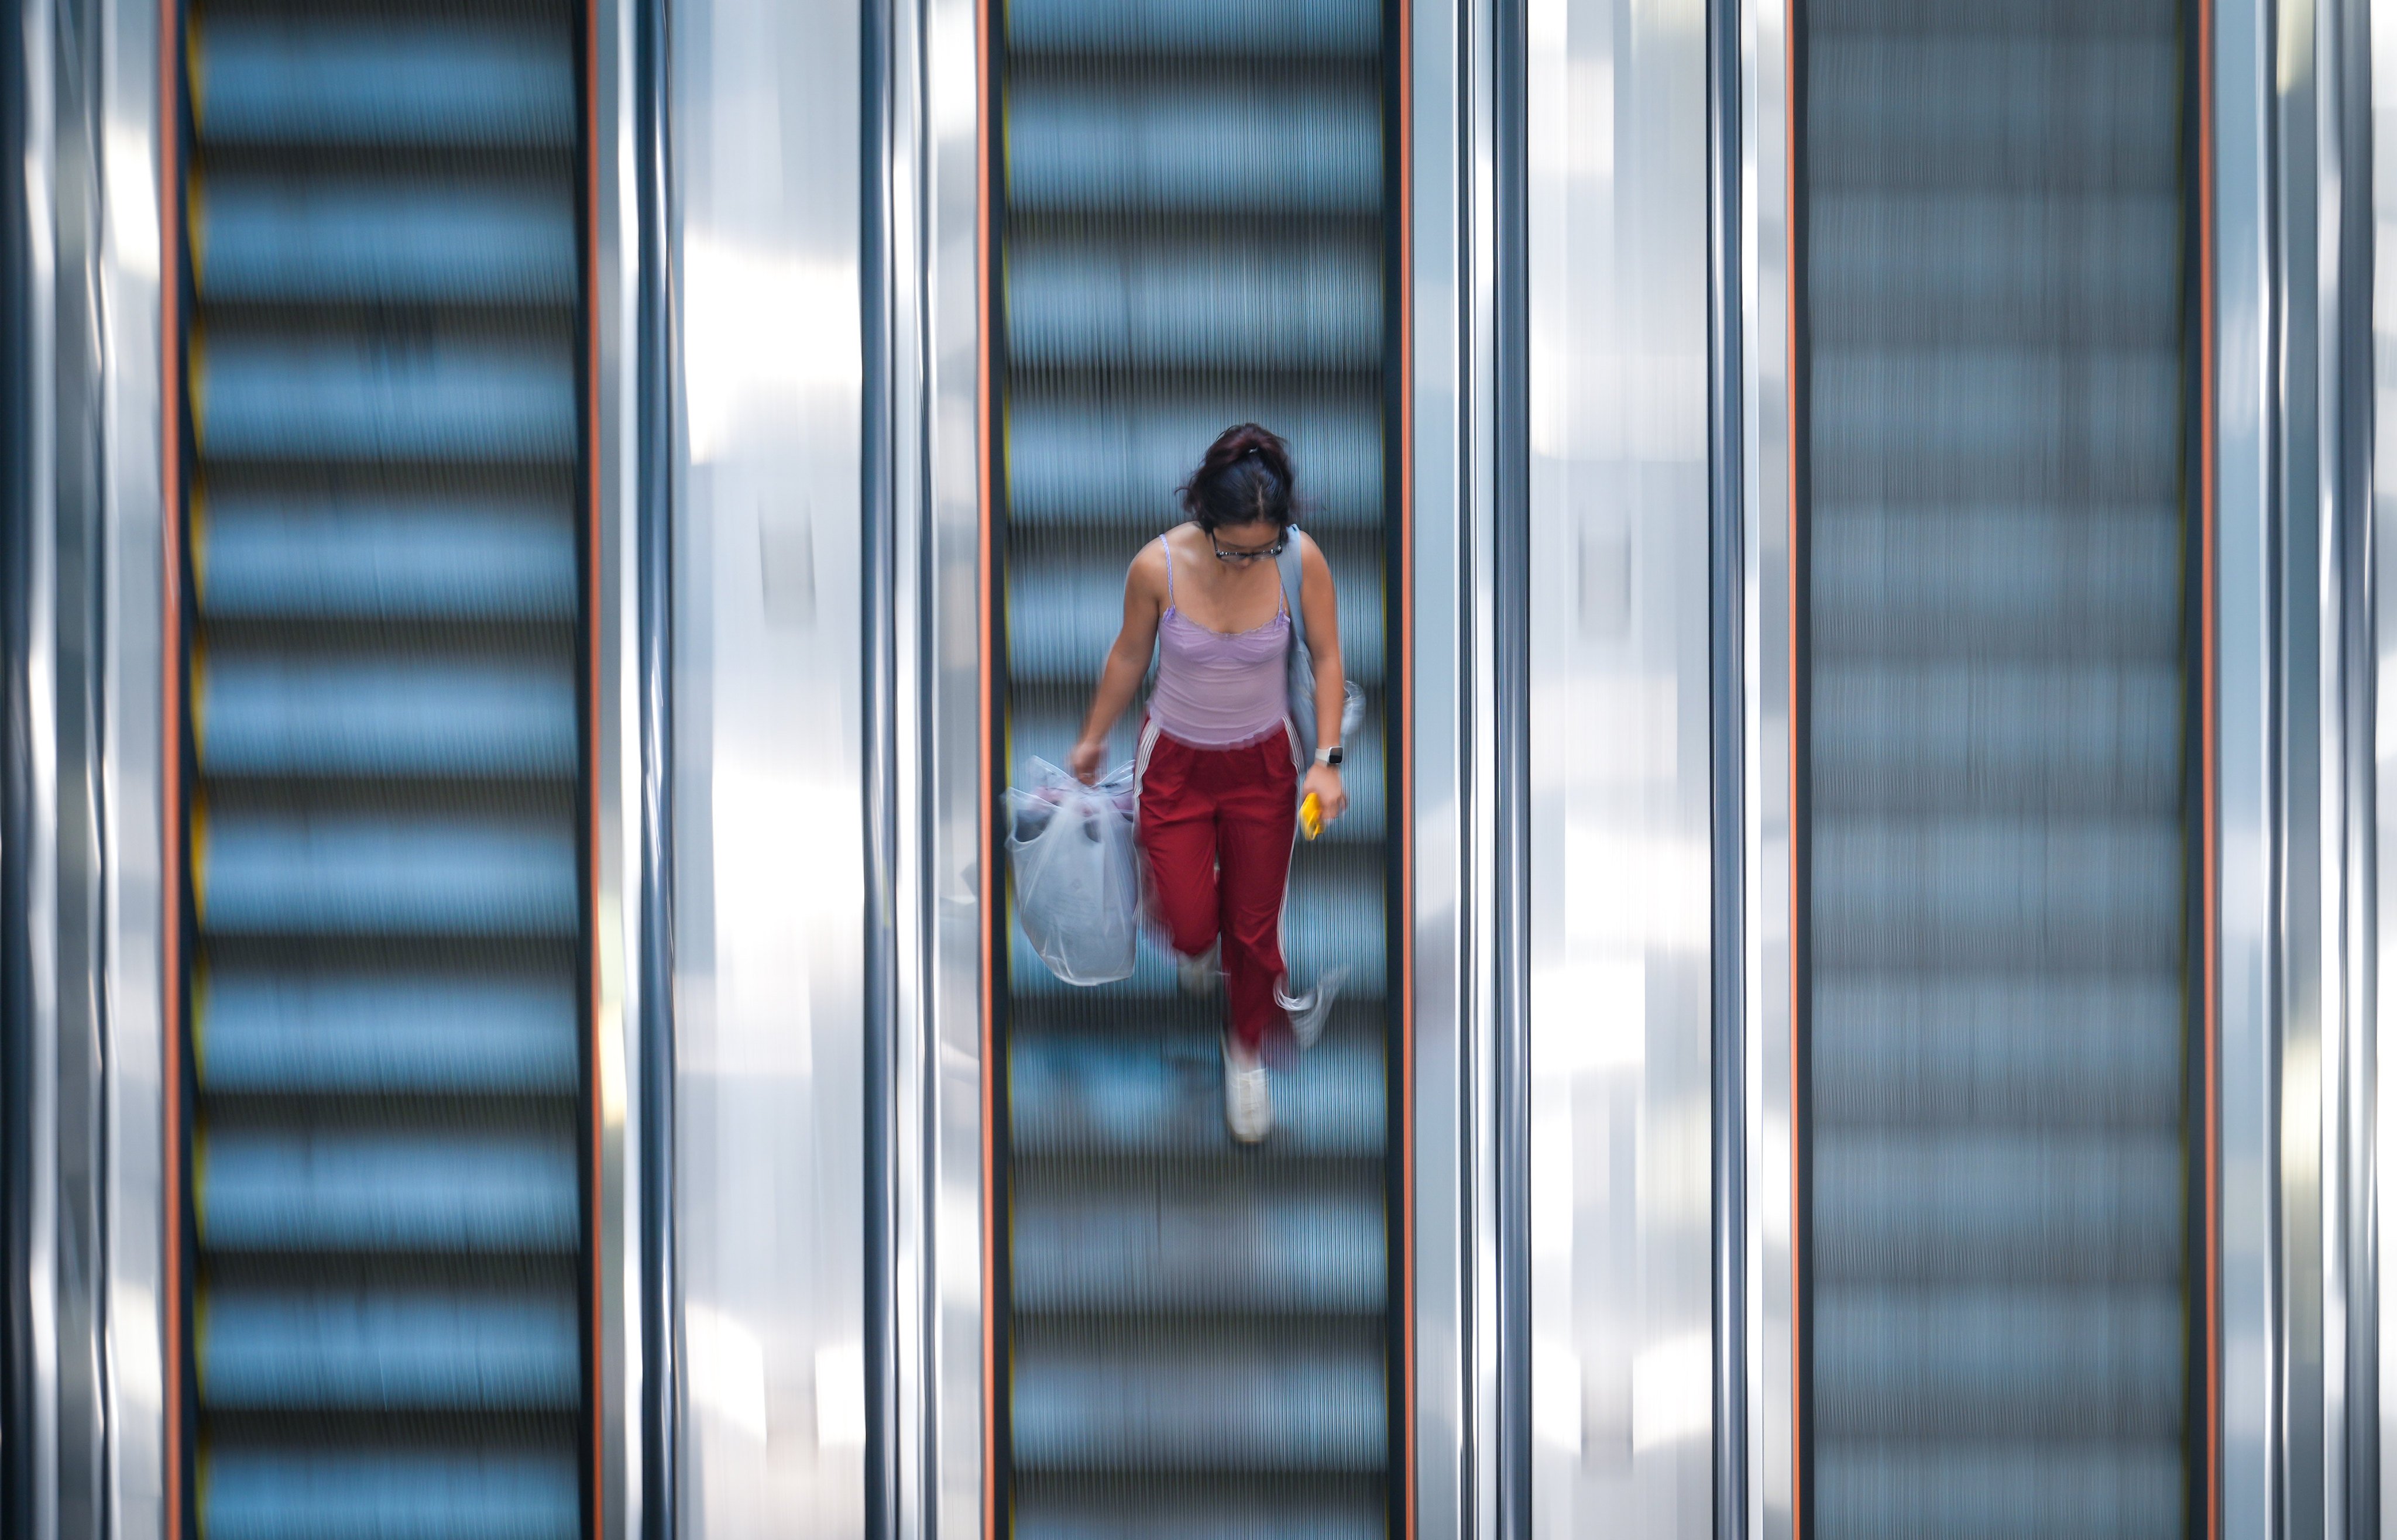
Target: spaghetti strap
[(1169, 569)]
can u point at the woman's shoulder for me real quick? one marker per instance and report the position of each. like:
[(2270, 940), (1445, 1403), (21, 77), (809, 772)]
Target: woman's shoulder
[(1148, 565), (1186, 542), (1310, 554)]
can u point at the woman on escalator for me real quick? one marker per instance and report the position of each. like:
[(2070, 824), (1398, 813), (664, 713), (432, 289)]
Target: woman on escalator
[(1218, 771)]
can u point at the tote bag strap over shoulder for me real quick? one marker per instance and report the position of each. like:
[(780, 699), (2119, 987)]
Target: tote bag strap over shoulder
[(1291, 578), (1302, 661)]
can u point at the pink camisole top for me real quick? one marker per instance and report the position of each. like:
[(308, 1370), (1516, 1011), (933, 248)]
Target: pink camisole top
[(1217, 690)]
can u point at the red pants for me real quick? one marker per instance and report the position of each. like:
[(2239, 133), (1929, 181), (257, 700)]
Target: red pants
[(1216, 826)]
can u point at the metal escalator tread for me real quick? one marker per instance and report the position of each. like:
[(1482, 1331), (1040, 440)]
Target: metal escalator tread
[(1999, 966), (388, 1170), (1191, 233)]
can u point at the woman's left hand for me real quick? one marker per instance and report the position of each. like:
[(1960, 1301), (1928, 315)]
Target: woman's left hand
[(1331, 798)]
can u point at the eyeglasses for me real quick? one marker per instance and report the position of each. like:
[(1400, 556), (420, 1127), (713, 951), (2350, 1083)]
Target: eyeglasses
[(1241, 559)]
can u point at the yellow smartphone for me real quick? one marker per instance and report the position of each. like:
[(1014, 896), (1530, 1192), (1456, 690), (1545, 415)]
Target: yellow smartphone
[(1310, 815)]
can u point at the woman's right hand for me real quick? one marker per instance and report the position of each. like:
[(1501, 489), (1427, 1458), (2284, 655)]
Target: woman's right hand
[(1084, 761)]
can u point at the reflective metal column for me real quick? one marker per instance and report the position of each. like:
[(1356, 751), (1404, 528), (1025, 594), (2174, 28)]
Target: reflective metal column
[(769, 884), (1620, 773)]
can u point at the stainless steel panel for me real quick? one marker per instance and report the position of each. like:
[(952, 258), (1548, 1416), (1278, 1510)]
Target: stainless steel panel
[(927, 1405), (2352, 1453), (130, 771), (1727, 768), (29, 844), (2247, 980), (769, 889), (1620, 773), (937, 172), (621, 872), (928, 341), (72, 511), (1764, 236), (2376, 1308), (2308, 997), (1452, 311), (2326, 1103)]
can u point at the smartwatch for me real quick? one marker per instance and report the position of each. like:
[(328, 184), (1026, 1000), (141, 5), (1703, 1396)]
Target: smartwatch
[(1328, 757)]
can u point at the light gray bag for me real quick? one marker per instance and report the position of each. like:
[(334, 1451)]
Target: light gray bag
[(1077, 871), (1302, 659)]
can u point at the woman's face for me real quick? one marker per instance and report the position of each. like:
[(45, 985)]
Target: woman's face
[(1254, 539)]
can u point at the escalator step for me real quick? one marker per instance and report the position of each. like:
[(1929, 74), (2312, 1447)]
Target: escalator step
[(387, 1167)]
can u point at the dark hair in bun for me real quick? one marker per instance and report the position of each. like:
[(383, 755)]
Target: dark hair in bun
[(1244, 479)]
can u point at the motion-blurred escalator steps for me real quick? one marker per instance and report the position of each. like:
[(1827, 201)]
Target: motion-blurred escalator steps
[(1192, 236), (388, 1170), (1998, 540)]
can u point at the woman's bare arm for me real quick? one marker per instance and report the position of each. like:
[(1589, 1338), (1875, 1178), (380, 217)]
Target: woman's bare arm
[(1319, 604), (1127, 659)]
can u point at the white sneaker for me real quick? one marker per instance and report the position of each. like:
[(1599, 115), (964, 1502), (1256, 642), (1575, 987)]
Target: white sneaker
[(1248, 1100), (1199, 973), (1308, 1012)]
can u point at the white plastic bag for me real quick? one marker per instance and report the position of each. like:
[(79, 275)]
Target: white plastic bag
[(1077, 871)]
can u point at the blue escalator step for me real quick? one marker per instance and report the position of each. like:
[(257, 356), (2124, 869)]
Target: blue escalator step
[(479, 558), (329, 82), (1973, 1488), (349, 399), (292, 240), (1151, 1506), (1994, 1049), (362, 874), (359, 1190), (1210, 1237), (1200, 1395), (1242, 147), (1991, 1205), (472, 1494), (1997, 890), (1182, 305), (277, 713), (420, 1348), (265, 1031), (1934, 582), (1197, 29)]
